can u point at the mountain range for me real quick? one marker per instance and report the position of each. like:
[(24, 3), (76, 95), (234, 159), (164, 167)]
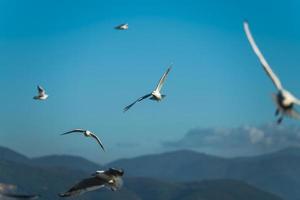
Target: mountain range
[(169, 176)]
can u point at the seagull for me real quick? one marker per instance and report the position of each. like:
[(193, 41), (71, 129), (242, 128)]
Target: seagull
[(122, 27), (86, 133), (111, 179), (155, 94), (20, 196), (284, 100), (42, 94)]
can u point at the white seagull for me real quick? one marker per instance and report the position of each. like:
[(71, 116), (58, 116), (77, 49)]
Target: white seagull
[(122, 27), (111, 179), (41, 94), (284, 100), (86, 133), (155, 95)]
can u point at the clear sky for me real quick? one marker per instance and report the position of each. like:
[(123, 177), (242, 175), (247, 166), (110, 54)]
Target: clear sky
[(92, 71)]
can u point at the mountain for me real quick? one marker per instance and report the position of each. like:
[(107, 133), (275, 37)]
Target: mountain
[(69, 162), (7, 154), (278, 172), (149, 189), (48, 180), (52, 161), (182, 165)]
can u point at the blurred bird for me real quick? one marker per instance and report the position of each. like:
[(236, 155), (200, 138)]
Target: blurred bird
[(111, 179), (284, 100), (155, 95), (41, 94), (86, 133), (122, 27)]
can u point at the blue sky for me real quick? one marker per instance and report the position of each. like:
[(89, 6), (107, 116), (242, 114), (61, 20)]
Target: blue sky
[(92, 71)]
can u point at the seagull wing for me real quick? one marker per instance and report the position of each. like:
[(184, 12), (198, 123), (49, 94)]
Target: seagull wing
[(83, 186), (74, 131), (293, 113), (119, 26), (41, 90), (138, 100), (98, 140), (19, 196), (162, 79), (261, 58)]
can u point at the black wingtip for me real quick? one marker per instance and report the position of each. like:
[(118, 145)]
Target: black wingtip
[(125, 109), (245, 22)]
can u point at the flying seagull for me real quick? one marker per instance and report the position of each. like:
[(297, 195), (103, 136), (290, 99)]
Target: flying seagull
[(155, 95), (86, 133), (284, 100), (122, 27), (41, 94), (111, 179), (20, 196)]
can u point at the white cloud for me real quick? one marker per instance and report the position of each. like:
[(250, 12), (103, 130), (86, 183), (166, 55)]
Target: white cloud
[(239, 141), (256, 135)]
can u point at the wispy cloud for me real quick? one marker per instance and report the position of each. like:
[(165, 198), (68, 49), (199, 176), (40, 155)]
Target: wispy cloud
[(240, 141)]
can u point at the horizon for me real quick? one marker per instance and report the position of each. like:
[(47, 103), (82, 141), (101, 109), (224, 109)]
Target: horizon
[(155, 154)]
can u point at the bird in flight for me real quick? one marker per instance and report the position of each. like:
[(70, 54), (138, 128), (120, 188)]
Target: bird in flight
[(284, 100), (111, 179), (155, 94), (86, 133), (41, 94), (122, 27)]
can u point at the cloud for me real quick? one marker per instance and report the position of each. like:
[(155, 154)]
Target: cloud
[(239, 141), (256, 135)]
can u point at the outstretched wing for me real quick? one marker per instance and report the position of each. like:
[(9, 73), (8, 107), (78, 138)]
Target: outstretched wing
[(162, 79), (98, 140), (40, 90), (139, 99), (261, 58), (83, 186), (74, 131), (119, 27), (293, 113)]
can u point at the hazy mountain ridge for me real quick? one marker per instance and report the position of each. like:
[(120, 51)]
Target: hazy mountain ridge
[(171, 175), (69, 162), (277, 172), (50, 161)]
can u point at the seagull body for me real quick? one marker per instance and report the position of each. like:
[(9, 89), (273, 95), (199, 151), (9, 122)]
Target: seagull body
[(19, 196), (86, 133), (41, 94), (155, 94), (122, 27), (111, 179), (283, 99)]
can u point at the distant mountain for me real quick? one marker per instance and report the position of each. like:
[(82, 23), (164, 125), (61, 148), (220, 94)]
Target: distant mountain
[(277, 172), (10, 155), (150, 189), (69, 162), (44, 176), (182, 165), (52, 161)]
